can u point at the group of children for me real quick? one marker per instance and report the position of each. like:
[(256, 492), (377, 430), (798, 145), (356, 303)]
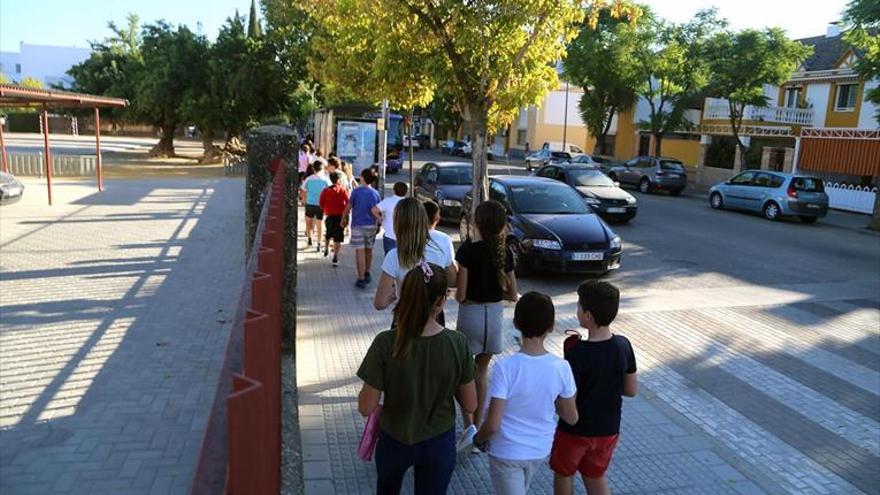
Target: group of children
[(422, 368)]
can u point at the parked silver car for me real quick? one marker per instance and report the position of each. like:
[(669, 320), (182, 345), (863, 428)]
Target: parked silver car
[(774, 194), (538, 159), (11, 189), (651, 173)]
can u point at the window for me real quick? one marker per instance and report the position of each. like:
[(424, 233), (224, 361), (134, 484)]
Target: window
[(548, 172), (18, 68), (846, 97), (590, 178), (498, 193), (763, 180), (458, 176), (792, 97), (548, 199), (431, 174), (672, 165), (807, 184), (743, 179), (645, 163), (521, 136)]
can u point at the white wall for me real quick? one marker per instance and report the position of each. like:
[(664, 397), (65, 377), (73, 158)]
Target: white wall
[(8, 61), (868, 112), (50, 63), (817, 94), (554, 108), (771, 92)]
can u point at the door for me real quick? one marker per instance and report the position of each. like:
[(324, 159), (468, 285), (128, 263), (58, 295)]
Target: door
[(736, 192), (628, 174), (761, 187)]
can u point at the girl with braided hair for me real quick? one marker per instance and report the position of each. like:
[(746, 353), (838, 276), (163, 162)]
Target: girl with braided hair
[(485, 279)]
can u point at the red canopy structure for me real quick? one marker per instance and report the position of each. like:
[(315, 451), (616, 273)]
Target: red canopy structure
[(14, 96)]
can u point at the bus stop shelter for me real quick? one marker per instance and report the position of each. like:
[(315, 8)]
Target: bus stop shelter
[(14, 96)]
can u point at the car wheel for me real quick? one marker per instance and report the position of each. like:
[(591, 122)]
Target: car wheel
[(675, 192), (772, 211), (521, 264), (464, 229), (807, 219), (715, 201), (645, 186)]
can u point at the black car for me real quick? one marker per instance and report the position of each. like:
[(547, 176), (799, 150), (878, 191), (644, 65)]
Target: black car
[(551, 228), (445, 183), (603, 195)]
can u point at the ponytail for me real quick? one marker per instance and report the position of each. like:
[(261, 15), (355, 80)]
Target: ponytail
[(491, 218), (421, 288)]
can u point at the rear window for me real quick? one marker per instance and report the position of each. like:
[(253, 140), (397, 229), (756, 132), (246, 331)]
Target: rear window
[(808, 184), (560, 154), (670, 165)]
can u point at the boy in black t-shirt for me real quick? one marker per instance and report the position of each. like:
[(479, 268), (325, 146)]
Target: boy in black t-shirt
[(604, 368)]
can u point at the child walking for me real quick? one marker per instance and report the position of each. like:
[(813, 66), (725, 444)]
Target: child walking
[(526, 392), (420, 367), (485, 278), (334, 201), (604, 368)]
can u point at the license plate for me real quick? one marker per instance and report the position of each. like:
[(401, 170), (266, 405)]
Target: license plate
[(814, 206), (616, 210), (591, 256), (14, 191), (673, 176)]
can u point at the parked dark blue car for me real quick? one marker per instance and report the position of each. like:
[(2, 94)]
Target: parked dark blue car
[(445, 183), (551, 227)]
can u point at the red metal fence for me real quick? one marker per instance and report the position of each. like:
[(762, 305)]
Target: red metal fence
[(254, 406)]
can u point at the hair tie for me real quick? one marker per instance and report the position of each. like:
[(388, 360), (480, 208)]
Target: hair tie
[(426, 270)]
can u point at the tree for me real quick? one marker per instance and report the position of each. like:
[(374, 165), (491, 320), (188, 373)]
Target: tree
[(602, 62), (173, 63), (673, 72), (493, 57), (254, 28), (444, 114), (741, 64), (113, 67), (863, 23)]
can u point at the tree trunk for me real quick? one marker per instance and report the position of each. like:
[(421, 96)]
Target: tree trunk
[(165, 147), (478, 117), (874, 224), (658, 144)]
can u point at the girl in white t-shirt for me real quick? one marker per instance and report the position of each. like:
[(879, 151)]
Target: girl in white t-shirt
[(414, 244)]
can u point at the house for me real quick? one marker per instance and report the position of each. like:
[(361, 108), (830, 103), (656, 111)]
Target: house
[(817, 121)]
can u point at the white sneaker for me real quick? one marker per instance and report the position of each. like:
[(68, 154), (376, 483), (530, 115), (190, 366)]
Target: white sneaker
[(466, 439)]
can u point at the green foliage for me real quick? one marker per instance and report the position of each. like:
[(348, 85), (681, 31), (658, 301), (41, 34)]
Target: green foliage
[(444, 113), (255, 30), (742, 63), (674, 72), (602, 60), (863, 23), (30, 82)]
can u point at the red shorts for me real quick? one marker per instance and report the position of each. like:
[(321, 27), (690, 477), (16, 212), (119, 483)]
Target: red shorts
[(589, 456)]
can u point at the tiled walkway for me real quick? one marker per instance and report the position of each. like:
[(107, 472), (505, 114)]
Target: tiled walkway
[(115, 310), (738, 397)]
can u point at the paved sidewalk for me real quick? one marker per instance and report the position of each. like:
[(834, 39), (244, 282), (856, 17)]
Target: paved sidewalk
[(661, 449), (115, 310)]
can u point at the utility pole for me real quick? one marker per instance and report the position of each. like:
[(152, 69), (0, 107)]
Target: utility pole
[(565, 121), (383, 147), (412, 173)]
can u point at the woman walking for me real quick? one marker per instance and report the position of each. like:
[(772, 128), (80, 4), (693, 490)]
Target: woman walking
[(420, 367), (485, 279), (414, 244)]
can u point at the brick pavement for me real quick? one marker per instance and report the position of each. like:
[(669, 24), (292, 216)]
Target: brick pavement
[(115, 310), (746, 395)]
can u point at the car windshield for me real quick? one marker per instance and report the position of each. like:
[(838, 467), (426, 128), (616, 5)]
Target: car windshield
[(808, 184), (548, 199), (560, 154), (583, 159), (590, 178), (456, 176), (671, 165)]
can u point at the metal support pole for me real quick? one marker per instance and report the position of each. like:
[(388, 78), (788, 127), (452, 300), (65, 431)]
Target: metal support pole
[(48, 154), (565, 121), (383, 148), (98, 148), (412, 173), (3, 151)]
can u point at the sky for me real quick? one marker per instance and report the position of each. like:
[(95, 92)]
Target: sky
[(76, 22)]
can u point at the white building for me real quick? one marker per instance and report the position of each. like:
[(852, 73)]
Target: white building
[(45, 63)]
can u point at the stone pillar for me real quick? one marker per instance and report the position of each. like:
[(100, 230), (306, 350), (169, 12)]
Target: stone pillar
[(787, 159), (765, 157), (705, 142)]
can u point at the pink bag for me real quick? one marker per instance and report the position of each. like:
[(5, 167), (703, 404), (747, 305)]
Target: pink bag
[(371, 435)]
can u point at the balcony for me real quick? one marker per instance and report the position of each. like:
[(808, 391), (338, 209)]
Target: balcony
[(717, 109)]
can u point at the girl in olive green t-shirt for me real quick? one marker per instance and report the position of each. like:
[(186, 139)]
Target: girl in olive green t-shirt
[(420, 367)]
